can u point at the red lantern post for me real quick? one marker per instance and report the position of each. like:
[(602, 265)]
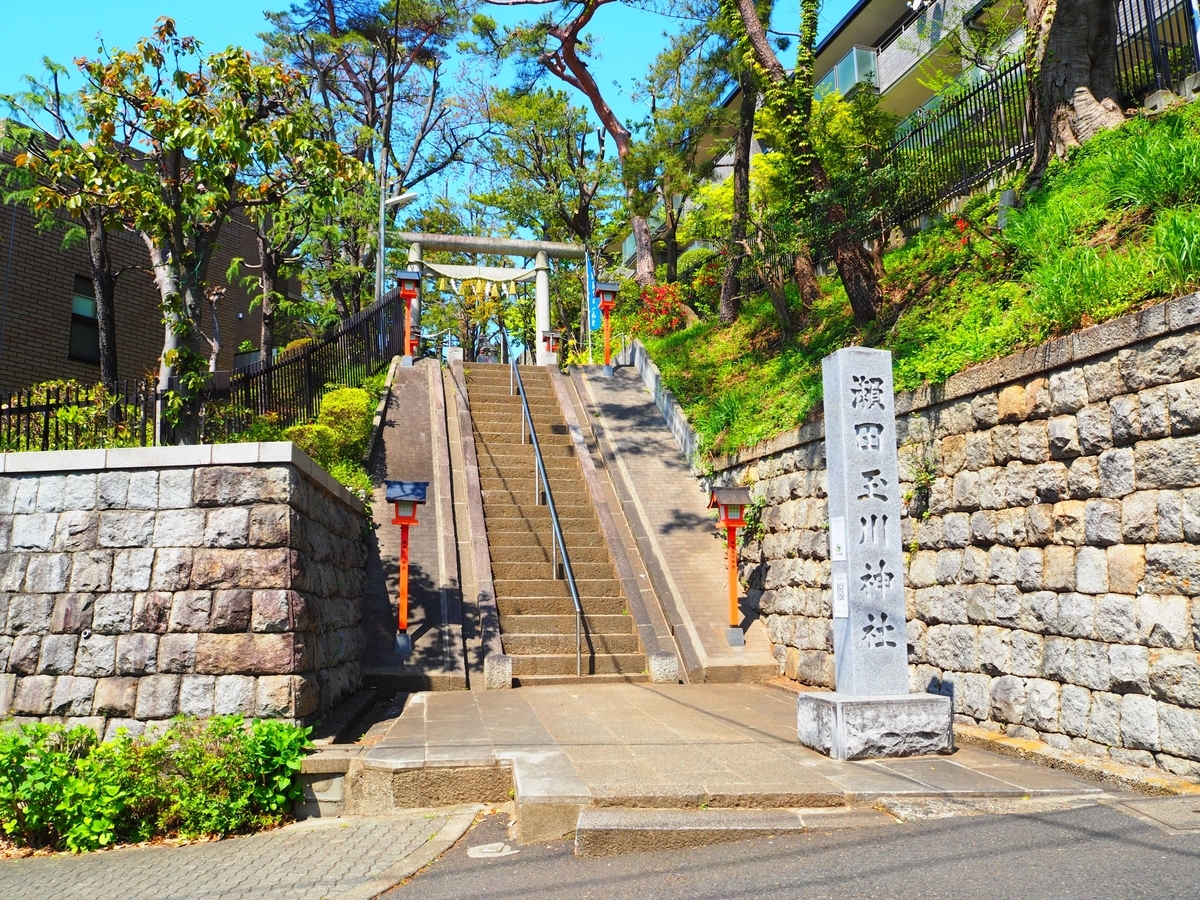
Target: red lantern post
[(409, 284), (731, 504), (406, 496), (607, 292)]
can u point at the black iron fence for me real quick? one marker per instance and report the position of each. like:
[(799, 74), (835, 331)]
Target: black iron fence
[(69, 416), (961, 143), (289, 387), (286, 391), (1157, 46), (981, 130)]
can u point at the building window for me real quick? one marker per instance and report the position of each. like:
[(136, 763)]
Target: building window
[(84, 345)]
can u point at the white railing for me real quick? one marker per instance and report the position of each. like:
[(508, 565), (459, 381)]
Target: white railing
[(918, 39)]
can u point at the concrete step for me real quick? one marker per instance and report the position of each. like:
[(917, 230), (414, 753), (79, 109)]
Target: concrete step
[(507, 517), (540, 680), (564, 664), (484, 400), (607, 831), (558, 606), (547, 587), (519, 485), (518, 535), (509, 434), (502, 453), (537, 550), (595, 624), (539, 567), (564, 643)]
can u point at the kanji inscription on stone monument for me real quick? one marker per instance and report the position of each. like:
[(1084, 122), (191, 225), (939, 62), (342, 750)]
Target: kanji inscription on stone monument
[(870, 651)]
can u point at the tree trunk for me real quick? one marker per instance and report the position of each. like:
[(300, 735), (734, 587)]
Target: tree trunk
[(103, 287), (731, 285), (268, 275), (858, 277), (852, 258), (1072, 66), (671, 254), (805, 275), (643, 269)]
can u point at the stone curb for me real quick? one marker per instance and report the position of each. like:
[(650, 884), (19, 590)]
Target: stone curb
[(608, 527), (481, 561), (461, 819), (41, 462), (1134, 778), (381, 411)]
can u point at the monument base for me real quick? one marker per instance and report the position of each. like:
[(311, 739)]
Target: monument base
[(876, 727)]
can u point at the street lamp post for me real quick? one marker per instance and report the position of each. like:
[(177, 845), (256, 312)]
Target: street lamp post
[(399, 201), (731, 505), (607, 292), (406, 496)]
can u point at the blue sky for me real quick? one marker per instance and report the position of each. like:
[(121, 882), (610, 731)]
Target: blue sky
[(65, 29)]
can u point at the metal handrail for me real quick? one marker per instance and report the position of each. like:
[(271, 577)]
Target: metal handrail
[(558, 544)]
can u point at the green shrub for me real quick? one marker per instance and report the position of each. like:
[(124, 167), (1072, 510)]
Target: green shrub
[(1177, 248), (350, 413), (61, 788), (320, 442), (1156, 168), (691, 261)]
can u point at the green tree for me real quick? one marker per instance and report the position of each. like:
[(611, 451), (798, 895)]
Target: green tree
[(683, 89), (556, 43), (45, 132), (378, 73), (1071, 64), (548, 167), (183, 142), (789, 99)]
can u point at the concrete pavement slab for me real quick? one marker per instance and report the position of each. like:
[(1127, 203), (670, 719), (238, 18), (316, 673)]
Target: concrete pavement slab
[(319, 859)]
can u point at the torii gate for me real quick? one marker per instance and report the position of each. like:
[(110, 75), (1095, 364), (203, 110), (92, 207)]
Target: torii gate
[(541, 251)]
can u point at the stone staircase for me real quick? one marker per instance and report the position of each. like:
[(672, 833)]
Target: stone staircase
[(537, 617)]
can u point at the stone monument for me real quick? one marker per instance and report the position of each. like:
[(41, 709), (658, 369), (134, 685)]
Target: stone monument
[(871, 713)]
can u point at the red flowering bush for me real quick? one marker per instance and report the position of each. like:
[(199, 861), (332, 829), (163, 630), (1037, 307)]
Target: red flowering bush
[(661, 312)]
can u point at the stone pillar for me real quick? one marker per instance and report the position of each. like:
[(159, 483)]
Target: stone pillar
[(871, 713), (866, 558), (541, 317)]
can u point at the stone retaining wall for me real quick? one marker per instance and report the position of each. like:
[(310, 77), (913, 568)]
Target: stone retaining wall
[(140, 584), (1053, 573)]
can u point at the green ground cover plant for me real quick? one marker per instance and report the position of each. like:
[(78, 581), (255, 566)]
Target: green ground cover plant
[(1113, 227), (63, 789)]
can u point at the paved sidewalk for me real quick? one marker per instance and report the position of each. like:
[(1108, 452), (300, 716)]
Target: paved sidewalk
[(413, 448), (573, 747), (678, 538), (335, 859)]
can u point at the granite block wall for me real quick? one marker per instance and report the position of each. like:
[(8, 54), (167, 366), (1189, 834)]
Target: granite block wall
[(1053, 531), (134, 588)]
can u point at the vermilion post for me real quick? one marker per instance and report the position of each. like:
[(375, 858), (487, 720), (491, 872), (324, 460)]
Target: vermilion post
[(607, 335), (408, 347), (735, 618), (403, 624)]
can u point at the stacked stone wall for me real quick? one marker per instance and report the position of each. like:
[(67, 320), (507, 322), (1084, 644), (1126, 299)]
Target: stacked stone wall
[(1053, 572), (135, 593)]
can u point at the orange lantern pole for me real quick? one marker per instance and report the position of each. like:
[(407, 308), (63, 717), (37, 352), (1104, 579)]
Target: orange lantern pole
[(409, 284), (607, 292), (731, 504), (406, 495)]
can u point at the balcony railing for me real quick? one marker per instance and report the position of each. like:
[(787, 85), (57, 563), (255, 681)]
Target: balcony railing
[(855, 68), (918, 39)]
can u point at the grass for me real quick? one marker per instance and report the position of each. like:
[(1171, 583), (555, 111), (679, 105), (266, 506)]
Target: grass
[(1113, 228)]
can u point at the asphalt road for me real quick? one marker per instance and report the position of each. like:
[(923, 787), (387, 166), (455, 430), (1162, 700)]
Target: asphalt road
[(1088, 852)]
